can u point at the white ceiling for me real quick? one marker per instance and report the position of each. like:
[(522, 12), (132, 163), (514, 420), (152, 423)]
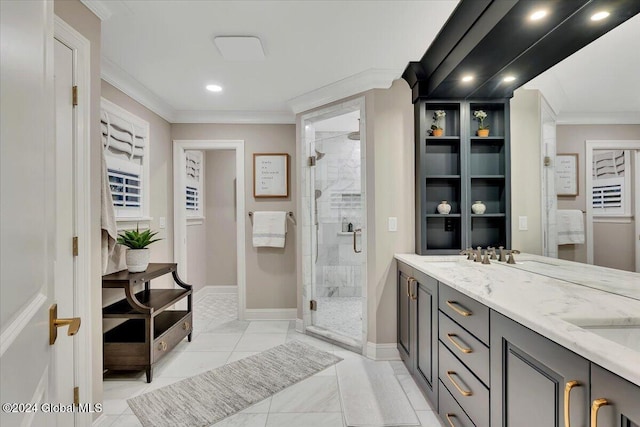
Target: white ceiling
[(162, 52), (600, 83)]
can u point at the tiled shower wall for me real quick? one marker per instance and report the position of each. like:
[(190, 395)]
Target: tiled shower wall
[(339, 268)]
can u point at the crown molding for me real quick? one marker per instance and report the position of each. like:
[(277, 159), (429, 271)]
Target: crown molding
[(374, 78), (237, 117), (99, 8), (123, 81), (599, 118)]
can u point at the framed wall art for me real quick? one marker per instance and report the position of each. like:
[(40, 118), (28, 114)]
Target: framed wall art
[(270, 175)]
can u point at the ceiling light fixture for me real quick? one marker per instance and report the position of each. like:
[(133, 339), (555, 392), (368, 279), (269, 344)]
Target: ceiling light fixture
[(467, 78), (600, 15), (509, 79), (214, 88), (538, 14)]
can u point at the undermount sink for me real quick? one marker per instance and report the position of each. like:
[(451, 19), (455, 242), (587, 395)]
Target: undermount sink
[(626, 333)]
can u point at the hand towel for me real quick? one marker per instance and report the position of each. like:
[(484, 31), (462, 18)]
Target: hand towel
[(570, 227), (269, 229), (109, 232)]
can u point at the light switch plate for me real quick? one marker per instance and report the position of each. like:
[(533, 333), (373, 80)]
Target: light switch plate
[(393, 223), (163, 222), (523, 223)]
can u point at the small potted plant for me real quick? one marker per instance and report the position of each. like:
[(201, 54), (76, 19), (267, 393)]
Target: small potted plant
[(436, 129), (483, 130), (137, 253)]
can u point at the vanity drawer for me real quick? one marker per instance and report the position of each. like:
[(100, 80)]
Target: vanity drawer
[(473, 353), (469, 313), (181, 325), (468, 391), (450, 412)]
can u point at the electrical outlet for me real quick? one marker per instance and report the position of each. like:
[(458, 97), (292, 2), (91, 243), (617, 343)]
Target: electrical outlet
[(393, 223), (523, 223), (448, 224)]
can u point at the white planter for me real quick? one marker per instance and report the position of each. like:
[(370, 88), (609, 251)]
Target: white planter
[(444, 207), (137, 260), (478, 207)]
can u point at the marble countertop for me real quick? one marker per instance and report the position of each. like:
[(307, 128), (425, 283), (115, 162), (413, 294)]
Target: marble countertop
[(542, 294)]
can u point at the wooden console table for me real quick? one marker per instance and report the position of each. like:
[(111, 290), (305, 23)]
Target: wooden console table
[(151, 330)]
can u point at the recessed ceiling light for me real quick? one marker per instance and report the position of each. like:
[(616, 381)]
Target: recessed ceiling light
[(538, 14), (467, 78), (509, 79), (600, 15), (214, 88)]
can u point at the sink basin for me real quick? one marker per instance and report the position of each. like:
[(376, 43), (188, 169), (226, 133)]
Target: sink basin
[(626, 333)]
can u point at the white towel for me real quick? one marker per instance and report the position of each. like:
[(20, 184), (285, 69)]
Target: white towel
[(570, 227), (269, 229)]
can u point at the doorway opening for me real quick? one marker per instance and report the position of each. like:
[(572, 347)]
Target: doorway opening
[(334, 236), (209, 220)]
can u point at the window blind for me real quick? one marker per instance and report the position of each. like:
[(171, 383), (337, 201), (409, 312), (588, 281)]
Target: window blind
[(193, 173)]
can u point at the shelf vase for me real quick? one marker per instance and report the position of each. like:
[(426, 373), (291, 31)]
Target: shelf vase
[(483, 133), (437, 132), (478, 207), (137, 260), (444, 207)]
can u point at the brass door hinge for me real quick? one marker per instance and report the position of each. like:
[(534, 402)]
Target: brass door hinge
[(76, 396), (74, 93), (75, 246), (312, 160), (313, 305)]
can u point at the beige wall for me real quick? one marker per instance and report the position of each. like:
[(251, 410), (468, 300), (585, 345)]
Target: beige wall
[(270, 272), (196, 255), (613, 243), (86, 23), (526, 179), (221, 262)]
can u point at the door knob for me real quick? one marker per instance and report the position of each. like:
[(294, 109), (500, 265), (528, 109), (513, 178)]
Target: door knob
[(55, 323)]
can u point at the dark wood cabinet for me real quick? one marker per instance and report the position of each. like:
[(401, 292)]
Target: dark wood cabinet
[(534, 380), (151, 329), (615, 402)]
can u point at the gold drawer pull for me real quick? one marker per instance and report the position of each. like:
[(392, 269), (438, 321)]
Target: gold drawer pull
[(465, 393), (449, 416), (459, 308), (186, 326), (567, 400), (465, 350), (409, 279), (162, 346), (595, 407)]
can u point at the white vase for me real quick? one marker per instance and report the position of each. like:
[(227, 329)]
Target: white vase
[(478, 207), (444, 207), (137, 260)]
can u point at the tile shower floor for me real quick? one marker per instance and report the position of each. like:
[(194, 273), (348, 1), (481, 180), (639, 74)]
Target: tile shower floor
[(219, 339), (341, 314)]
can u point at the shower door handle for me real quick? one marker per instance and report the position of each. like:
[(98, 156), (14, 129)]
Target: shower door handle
[(355, 233)]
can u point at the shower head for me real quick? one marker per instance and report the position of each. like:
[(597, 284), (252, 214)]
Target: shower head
[(319, 155), (355, 136)]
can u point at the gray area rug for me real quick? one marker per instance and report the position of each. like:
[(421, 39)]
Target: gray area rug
[(207, 398)]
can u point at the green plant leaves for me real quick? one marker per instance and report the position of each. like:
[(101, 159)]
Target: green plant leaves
[(134, 239)]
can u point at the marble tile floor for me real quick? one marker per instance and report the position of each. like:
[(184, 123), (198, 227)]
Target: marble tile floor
[(314, 402), (340, 314)]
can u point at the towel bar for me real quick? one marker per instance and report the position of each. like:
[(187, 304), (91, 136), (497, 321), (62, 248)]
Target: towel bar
[(289, 215)]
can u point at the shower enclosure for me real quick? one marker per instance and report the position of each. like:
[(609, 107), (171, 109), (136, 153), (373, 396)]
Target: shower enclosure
[(336, 267)]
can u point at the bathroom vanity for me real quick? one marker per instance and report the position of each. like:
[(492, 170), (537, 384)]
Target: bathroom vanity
[(542, 342)]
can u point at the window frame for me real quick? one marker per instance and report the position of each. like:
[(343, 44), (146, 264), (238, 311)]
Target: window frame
[(195, 216)]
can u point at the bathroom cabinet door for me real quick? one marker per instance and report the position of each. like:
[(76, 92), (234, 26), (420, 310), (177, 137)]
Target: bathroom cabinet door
[(405, 315), (621, 405), (426, 353), (534, 380)]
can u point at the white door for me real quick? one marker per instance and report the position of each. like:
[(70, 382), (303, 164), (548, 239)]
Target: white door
[(27, 221)]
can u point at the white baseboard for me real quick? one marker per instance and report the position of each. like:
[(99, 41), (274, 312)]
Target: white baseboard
[(271, 313), (100, 421), (300, 326), (208, 290), (382, 351)]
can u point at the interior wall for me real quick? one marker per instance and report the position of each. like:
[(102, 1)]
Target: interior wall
[(74, 13), (611, 239), (526, 179), (220, 218), (196, 254), (270, 272)]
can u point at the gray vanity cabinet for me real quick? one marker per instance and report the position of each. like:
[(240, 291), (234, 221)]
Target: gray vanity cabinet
[(418, 327), (534, 380), (615, 402)]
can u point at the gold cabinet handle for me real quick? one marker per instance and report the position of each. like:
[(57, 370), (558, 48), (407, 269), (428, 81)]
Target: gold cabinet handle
[(465, 393), (465, 350), (409, 279), (595, 407), (462, 311), (186, 326), (55, 323), (449, 416), (414, 296), (567, 400), (162, 346)]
